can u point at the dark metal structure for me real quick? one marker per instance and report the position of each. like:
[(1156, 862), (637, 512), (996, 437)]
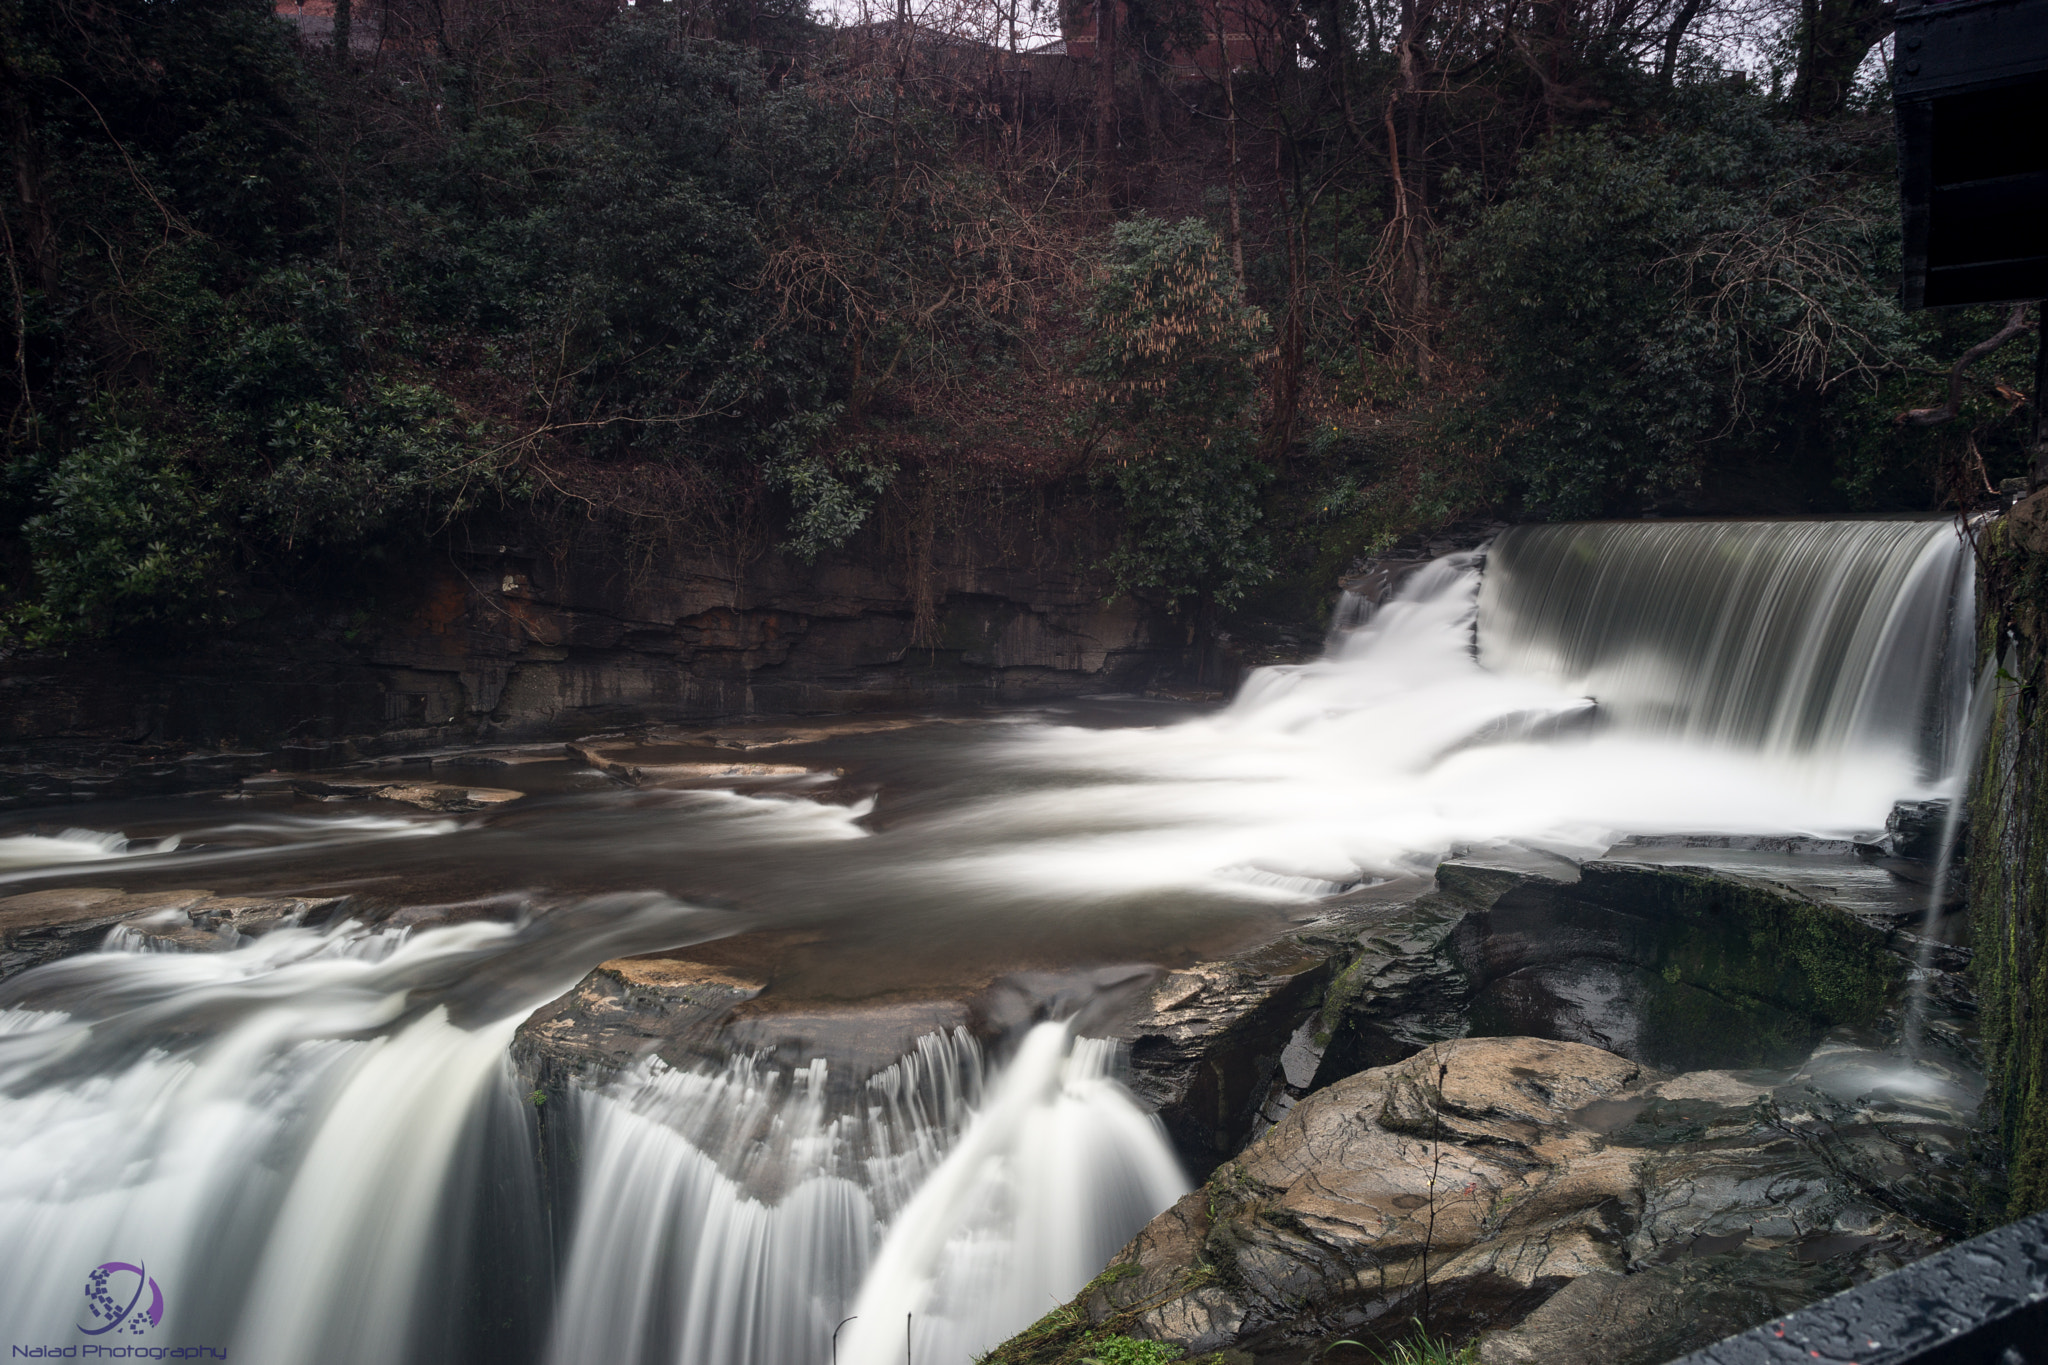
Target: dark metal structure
[(1970, 84), (1984, 1302)]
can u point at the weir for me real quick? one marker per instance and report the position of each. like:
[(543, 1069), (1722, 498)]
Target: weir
[(1807, 640), (315, 1136)]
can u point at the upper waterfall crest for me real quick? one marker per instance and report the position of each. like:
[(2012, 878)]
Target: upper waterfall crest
[(1788, 638)]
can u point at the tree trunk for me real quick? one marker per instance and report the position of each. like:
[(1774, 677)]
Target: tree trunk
[(1105, 79), (1834, 38), (1230, 116), (1410, 187), (1674, 38), (343, 21), (39, 229)]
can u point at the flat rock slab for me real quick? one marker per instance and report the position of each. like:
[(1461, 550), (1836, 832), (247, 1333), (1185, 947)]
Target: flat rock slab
[(630, 1008), (651, 766), (434, 796), (773, 736), (42, 926)]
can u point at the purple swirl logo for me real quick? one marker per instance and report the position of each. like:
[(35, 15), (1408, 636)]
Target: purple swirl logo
[(104, 1289)]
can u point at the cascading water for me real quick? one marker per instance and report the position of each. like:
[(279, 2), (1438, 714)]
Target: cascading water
[(282, 1133), (730, 1217), (1810, 640), (312, 1138)]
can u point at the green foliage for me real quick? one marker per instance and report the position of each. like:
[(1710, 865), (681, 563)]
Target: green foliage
[(830, 498), (1172, 351), (1133, 1351), (1649, 303), (1423, 1348), (128, 536), (263, 436)]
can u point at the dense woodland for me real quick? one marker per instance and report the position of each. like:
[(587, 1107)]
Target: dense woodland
[(745, 274)]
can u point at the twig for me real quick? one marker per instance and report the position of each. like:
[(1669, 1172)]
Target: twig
[(1436, 1114)]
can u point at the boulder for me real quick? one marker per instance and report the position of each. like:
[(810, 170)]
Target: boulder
[(1472, 1183), (1678, 967), (630, 1007)]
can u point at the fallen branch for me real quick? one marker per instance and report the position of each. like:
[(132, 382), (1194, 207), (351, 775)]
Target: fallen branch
[(2015, 324)]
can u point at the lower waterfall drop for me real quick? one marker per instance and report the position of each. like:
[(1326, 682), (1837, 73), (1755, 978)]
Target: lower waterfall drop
[(729, 1217)]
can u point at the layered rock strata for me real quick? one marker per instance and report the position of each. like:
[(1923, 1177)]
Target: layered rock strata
[(1484, 1180)]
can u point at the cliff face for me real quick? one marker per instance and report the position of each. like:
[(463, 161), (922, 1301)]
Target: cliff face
[(2008, 861), (511, 632)]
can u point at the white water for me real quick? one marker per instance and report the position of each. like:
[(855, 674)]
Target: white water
[(281, 1134), (733, 1218), (1405, 742), (26, 856), (1816, 641), (74, 846)]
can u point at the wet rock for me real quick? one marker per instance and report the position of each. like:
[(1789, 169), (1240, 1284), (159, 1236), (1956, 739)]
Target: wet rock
[(631, 1007), (1652, 1316), (1679, 967), (641, 766), (42, 926), (1206, 1042), (1326, 1221), (1915, 829), (1863, 879), (1405, 989), (1504, 1170), (443, 796), (1220, 1050), (433, 796)]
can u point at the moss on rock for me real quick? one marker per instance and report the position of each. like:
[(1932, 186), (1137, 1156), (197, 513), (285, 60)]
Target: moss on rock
[(2008, 860)]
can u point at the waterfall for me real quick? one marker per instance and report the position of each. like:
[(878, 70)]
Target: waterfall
[(732, 1217), (310, 1143), (1799, 639)]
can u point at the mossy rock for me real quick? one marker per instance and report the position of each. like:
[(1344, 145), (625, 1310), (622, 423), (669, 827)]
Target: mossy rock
[(1681, 968), (2008, 859)]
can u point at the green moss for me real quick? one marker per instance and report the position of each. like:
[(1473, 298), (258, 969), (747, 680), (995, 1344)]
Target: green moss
[(1068, 1336), (1718, 970), (1753, 946), (1132, 1351), (2008, 871)]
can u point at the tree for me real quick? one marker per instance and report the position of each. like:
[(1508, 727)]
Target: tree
[(1171, 359)]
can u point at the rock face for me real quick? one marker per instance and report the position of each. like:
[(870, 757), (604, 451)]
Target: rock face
[(515, 630), (1214, 1047), (1499, 1171), (1678, 967), (2008, 814)]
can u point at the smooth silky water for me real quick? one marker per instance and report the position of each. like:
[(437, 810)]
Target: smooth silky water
[(315, 1144)]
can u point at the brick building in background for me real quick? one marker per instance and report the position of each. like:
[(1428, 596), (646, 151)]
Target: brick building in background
[(314, 22), (1236, 28)]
